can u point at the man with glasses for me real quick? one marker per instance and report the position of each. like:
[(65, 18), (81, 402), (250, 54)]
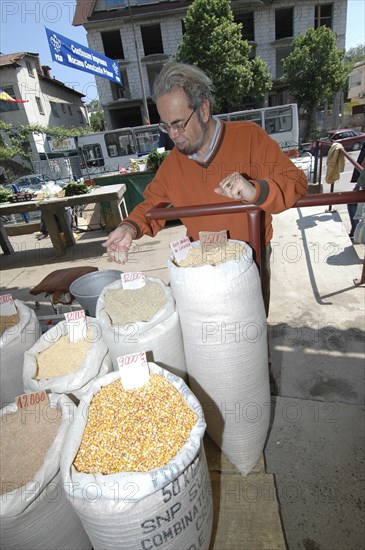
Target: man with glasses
[(211, 157)]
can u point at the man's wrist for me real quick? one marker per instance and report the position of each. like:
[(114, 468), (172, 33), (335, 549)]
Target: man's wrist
[(133, 229)]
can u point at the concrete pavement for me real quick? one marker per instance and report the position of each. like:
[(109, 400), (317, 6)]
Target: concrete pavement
[(315, 448)]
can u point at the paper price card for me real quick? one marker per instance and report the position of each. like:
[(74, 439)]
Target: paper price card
[(211, 241), (180, 248), (133, 280), (7, 306), (76, 321), (134, 371), (31, 399)]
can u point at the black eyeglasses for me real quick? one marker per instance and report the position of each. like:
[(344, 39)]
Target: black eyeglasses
[(178, 127)]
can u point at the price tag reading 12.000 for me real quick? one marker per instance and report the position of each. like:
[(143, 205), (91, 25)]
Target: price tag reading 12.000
[(76, 321), (7, 306), (31, 399), (133, 280), (134, 371)]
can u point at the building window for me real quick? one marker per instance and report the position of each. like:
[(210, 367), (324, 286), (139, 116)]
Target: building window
[(121, 91), (281, 53), (323, 14), (112, 43), (355, 80), (152, 39), (39, 105), (152, 72), (63, 107), (6, 106), (69, 110), (29, 66), (284, 23), (54, 109), (248, 28), (91, 156), (81, 118)]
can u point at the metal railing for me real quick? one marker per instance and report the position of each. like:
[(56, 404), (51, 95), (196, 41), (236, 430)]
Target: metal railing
[(254, 214)]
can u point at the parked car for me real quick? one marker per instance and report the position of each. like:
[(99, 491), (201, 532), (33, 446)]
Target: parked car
[(350, 139), (32, 183)]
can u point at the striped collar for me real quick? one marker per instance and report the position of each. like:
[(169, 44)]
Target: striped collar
[(212, 144)]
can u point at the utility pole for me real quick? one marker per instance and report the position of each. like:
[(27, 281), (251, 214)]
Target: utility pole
[(146, 115)]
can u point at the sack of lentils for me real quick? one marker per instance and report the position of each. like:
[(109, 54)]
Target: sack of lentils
[(34, 511), (219, 301), (142, 319), (134, 468), (58, 365), (18, 333)]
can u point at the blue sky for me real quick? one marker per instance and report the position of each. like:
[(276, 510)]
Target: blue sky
[(22, 29)]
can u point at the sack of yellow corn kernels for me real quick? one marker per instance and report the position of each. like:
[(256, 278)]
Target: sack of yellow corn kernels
[(58, 365), (17, 335), (133, 457), (34, 511), (143, 319), (219, 301)]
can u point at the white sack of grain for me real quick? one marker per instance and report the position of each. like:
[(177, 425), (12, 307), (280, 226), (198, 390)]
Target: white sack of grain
[(14, 342), (160, 337), (224, 328), (121, 510), (37, 515), (97, 361)]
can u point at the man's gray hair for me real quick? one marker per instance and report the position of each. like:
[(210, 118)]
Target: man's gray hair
[(192, 80)]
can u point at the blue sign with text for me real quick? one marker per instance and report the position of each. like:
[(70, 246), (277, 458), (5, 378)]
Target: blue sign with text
[(74, 55)]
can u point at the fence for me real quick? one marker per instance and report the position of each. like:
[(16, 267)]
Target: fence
[(254, 215)]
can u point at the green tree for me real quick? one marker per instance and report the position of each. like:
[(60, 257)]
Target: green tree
[(315, 71), (94, 104), (97, 121), (356, 54), (14, 140), (213, 42)]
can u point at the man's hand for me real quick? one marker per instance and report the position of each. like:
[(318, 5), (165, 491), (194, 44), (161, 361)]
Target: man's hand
[(236, 187), (119, 242)]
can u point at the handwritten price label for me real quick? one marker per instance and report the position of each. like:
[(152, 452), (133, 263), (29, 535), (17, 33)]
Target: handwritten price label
[(133, 369), (31, 399), (210, 241), (7, 306), (133, 280), (180, 248), (76, 321)]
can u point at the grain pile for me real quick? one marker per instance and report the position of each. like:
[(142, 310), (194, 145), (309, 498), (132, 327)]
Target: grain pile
[(8, 321), (129, 306), (211, 255), (134, 430), (26, 437), (63, 357)]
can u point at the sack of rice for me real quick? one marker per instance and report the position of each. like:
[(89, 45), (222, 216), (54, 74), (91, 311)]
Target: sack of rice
[(35, 513), (143, 319), (134, 468), (223, 321), (59, 365), (18, 333)]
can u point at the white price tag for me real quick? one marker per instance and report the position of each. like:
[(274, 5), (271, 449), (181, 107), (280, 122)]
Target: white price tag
[(133, 280), (210, 241), (134, 371), (7, 306), (76, 322), (180, 248)]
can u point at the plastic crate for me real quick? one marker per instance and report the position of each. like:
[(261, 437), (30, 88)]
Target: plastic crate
[(21, 197)]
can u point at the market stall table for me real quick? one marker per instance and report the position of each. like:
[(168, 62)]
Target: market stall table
[(53, 209), (8, 209)]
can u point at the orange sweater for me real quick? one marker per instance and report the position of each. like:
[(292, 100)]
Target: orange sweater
[(241, 147)]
